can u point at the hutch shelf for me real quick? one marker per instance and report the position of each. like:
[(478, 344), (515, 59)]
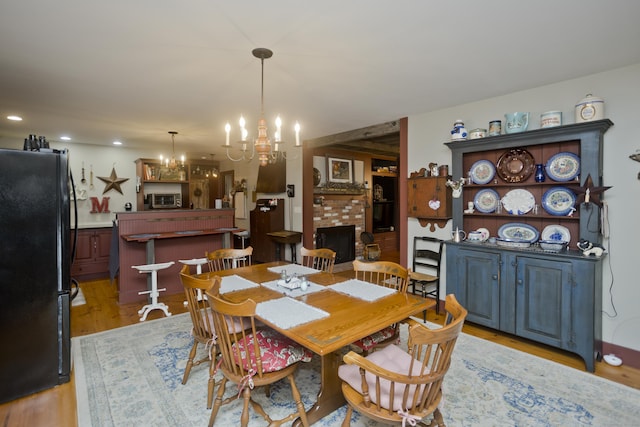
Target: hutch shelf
[(552, 298)]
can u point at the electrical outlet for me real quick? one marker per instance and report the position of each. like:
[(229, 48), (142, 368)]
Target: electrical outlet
[(290, 190)]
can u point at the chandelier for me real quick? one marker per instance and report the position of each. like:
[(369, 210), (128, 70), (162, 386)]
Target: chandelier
[(171, 163), (267, 152)]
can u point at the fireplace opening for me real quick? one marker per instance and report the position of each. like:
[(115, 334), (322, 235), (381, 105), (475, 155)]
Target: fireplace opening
[(341, 239)]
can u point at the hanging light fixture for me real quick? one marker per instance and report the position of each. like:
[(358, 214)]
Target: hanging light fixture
[(172, 163), (262, 144)]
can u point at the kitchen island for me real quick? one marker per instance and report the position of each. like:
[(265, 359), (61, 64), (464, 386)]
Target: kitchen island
[(160, 236)]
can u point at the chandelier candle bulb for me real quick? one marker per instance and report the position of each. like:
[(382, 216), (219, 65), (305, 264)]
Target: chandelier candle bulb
[(297, 129), (227, 129)]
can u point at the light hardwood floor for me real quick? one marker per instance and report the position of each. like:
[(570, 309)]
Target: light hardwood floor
[(57, 407)]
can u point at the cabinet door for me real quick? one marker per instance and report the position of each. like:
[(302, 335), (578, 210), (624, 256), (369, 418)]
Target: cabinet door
[(543, 300), (474, 277), (84, 245), (103, 245), (425, 194)]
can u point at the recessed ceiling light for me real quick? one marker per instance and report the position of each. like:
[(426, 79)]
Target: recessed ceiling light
[(15, 118), (65, 138), (117, 143)]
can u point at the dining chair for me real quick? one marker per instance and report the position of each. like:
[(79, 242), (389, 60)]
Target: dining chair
[(425, 273), (227, 259), (203, 331), (252, 357), (388, 274), (397, 386), (322, 259)]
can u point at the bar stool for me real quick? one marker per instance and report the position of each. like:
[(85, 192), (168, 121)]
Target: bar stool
[(154, 292), (198, 262)]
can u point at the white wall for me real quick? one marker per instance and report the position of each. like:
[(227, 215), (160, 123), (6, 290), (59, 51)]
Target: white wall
[(620, 90)]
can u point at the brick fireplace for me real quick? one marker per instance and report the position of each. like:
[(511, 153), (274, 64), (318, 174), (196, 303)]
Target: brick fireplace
[(336, 211)]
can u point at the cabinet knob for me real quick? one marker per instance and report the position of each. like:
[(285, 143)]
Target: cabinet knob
[(494, 277)]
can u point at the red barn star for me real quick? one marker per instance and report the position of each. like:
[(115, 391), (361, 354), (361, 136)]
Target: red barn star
[(113, 182)]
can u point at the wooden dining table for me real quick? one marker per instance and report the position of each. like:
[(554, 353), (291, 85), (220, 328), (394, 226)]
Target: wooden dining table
[(349, 320)]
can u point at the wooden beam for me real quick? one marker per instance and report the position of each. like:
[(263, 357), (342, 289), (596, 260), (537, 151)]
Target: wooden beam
[(366, 133)]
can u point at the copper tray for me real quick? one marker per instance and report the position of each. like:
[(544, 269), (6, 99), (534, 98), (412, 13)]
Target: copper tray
[(515, 165)]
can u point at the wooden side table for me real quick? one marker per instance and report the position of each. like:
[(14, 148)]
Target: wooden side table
[(284, 237)]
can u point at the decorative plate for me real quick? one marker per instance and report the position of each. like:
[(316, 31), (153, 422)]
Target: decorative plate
[(563, 167), (518, 202), (516, 231), (482, 172), (516, 165), (486, 200), (316, 177), (556, 233), (558, 201)]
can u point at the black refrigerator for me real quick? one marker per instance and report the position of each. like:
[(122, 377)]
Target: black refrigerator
[(34, 271)]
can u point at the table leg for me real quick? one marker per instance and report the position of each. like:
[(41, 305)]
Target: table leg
[(278, 252), (293, 253), (330, 395)]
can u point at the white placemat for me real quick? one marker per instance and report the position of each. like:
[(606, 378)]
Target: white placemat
[(287, 312), (298, 269), (361, 289), (311, 288), (235, 283)]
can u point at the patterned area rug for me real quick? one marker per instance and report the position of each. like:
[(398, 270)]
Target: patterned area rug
[(132, 376)]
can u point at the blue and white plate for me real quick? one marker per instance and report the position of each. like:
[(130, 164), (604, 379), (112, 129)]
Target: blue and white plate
[(516, 231), (486, 200), (563, 166), (558, 201), (556, 233), (482, 172)]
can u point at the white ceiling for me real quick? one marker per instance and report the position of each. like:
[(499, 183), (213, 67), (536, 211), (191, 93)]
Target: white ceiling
[(134, 70)]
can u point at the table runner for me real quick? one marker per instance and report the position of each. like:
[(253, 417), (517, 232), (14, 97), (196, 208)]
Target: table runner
[(287, 312), (362, 290), (235, 283), (312, 287), (298, 269)]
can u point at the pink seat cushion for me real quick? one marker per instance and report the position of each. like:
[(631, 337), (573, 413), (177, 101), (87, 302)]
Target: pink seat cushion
[(276, 350), (391, 358), (232, 325), (370, 341)]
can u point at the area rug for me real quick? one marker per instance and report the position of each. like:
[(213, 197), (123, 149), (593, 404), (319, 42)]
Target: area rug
[(132, 376)]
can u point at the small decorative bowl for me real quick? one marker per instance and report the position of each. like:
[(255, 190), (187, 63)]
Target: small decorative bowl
[(552, 245)]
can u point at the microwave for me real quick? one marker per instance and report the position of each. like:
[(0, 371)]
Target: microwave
[(165, 200)]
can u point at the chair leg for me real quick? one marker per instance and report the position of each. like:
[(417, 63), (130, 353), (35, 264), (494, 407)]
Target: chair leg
[(212, 381), (437, 419), (244, 418), (347, 418), (192, 355), (218, 401), (298, 399)]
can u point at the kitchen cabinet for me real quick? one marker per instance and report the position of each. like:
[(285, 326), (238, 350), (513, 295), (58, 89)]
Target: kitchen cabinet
[(92, 253), (552, 298), (196, 181), (429, 200)]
